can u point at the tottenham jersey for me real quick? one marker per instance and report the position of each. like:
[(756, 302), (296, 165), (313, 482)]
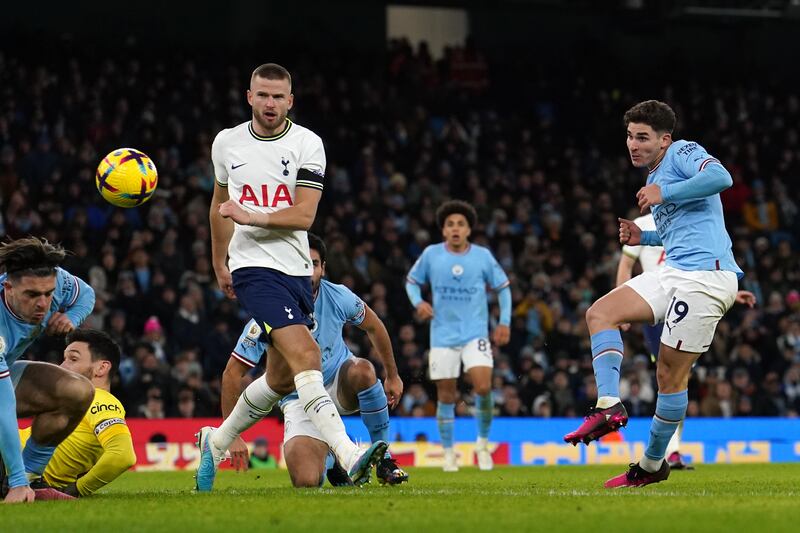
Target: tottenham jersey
[(262, 173), (458, 283), (651, 257)]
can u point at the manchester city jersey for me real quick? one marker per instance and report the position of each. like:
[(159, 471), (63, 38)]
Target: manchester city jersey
[(72, 296), (692, 231), (459, 283), (335, 306)]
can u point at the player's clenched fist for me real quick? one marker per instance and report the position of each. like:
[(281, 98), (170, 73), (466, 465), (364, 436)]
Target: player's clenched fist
[(59, 324), (424, 311), (648, 196), (232, 210), (629, 233)]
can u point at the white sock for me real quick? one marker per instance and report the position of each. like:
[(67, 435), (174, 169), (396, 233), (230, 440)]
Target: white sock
[(675, 442), (255, 402), (650, 465), (483, 443), (604, 402), (320, 409)]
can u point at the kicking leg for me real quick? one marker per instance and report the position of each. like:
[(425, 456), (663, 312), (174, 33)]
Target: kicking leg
[(620, 306)]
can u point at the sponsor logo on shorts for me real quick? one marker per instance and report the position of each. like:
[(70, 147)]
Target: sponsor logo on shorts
[(105, 424)]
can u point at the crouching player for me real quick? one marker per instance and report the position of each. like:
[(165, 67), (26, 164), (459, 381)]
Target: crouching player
[(350, 381), (37, 297), (100, 448)]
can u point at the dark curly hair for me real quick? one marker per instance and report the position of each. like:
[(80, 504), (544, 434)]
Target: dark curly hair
[(655, 114), (456, 207), (30, 256)]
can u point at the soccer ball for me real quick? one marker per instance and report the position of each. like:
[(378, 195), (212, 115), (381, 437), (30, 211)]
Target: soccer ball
[(126, 177)]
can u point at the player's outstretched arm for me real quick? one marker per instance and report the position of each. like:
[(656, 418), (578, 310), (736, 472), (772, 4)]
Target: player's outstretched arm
[(379, 337), (10, 447), (118, 456)]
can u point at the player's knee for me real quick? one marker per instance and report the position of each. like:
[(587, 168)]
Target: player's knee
[(75, 393), (362, 375), (594, 316), (306, 478), (482, 389)]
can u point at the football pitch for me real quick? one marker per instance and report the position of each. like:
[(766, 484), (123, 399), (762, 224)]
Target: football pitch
[(564, 498)]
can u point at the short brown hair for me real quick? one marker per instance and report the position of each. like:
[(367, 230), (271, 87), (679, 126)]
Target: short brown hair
[(272, 71), (456, 207), (101, 346), (30, 256), (655, 114)]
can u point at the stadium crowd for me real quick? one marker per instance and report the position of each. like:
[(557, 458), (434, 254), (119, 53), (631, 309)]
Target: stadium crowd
[(544, 163)]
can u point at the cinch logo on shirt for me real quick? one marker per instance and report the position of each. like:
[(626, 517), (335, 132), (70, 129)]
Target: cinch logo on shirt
[(99, 408), (281, 195)]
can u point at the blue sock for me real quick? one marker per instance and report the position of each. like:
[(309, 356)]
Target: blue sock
[(607, 351), (375, 413), (35, 456), (330, 460), (484, 410), (446, 417), (670, 410)]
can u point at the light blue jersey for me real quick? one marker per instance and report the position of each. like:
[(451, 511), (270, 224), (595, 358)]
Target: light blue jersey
[(72, 296), (692, 230), (334, 306), (459, 284)]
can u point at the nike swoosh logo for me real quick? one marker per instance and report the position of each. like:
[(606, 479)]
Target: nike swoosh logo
[(234, 167)]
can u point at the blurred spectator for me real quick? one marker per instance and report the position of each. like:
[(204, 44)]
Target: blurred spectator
[(260, 457)]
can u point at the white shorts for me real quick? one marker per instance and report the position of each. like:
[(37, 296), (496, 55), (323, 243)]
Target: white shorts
[(296, 422), (689, 303), (445, 363)]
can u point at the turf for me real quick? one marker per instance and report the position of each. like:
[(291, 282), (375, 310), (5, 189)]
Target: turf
[(566, 498)]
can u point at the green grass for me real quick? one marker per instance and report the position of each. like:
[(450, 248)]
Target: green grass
[(567, 498)]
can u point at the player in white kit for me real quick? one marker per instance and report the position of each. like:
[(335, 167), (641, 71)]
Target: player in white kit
[(269, 180)]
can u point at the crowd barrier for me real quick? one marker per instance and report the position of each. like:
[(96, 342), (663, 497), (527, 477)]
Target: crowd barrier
[(170, 444)]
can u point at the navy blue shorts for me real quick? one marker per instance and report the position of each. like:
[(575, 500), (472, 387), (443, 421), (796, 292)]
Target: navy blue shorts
[(652, 337), (274, 299)]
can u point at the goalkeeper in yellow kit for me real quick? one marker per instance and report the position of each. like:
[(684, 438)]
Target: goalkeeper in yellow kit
[(100, 448)]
